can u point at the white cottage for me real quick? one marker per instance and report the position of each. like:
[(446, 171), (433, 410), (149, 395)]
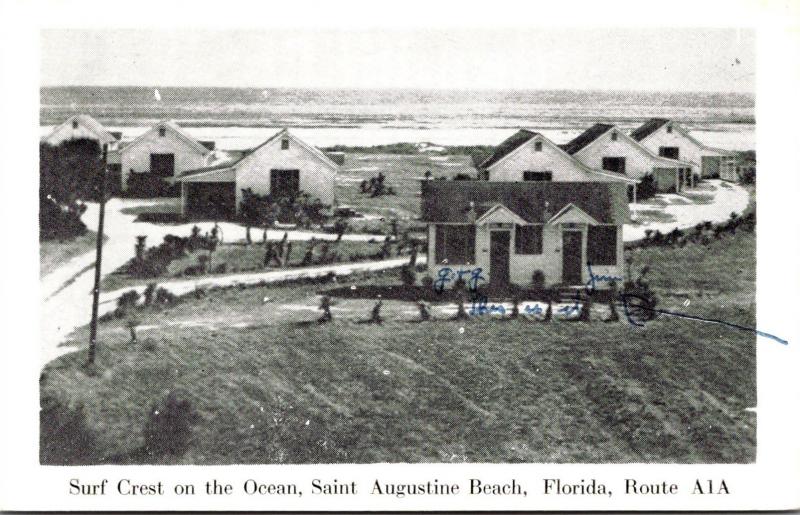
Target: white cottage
[(669, 139), (162, 152), (606, 147), (531, 156), (282, 166), (82, 126), (511, 230)]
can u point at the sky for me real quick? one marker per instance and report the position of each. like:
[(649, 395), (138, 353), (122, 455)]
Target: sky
[(652, 59)]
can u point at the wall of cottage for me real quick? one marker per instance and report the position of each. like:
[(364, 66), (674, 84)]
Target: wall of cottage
[(637, 162), (526, 158), (316, 178), (522, 266), (689, 151), (135, 158)]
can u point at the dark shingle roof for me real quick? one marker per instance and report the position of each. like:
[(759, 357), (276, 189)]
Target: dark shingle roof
[(586, 137), (536, 202), (648, 128), (509, 145)]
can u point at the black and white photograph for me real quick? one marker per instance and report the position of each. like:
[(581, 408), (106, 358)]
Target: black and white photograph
[(366, 274), (442, 245)]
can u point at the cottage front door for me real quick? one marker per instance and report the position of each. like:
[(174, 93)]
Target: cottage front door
[(572, 258), (499, 270)]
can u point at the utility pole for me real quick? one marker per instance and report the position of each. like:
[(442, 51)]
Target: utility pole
[(97, 262)]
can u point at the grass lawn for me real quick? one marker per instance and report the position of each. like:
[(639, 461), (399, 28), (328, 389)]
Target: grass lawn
[(271, 387), (55, 253)]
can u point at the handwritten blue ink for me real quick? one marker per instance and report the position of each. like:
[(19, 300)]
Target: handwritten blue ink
[(626, 297), (591, 284), (536, 309), (481, 306), (447, 274)]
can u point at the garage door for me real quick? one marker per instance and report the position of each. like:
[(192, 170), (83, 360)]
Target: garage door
[(211, 200)]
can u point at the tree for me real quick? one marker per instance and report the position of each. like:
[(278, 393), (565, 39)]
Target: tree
[(68, 174)]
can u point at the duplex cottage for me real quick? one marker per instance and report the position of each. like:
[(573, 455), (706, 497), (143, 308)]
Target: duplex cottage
[(515, 230), (282, 166), (606, 147), (669, 139), (531, 156), (158, 155)]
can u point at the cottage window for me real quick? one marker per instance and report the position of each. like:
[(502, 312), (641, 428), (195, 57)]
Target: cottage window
[(601, 245), (670, 152), (537, 176), (455, 244), (162, 132), (284, 144), (669, 129), (613, 136), (74, 124), (537, 146), (528, 239), (614, 164)]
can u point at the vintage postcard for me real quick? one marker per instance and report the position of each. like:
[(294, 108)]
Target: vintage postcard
[(344, 262)]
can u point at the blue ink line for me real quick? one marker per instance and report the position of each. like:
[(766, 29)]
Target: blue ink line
[(701, 319)]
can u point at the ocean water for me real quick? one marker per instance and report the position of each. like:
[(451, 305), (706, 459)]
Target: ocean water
[(243, 117)]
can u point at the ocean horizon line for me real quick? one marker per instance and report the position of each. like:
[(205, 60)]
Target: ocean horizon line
[(404, 89)]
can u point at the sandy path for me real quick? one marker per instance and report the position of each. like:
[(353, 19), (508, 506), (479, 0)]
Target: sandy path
[(67, 305), (727, 198)]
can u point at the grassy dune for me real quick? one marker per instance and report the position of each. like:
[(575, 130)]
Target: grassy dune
[(500, 391)]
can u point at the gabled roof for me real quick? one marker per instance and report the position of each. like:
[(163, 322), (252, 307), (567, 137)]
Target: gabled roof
[(247, 153), (498, 210), (173, 127), (653, 124), (523, 136), (591, 135), (586, 137), (573, 213), (648, 128), (535, 202), (512, 143), (88, 122)]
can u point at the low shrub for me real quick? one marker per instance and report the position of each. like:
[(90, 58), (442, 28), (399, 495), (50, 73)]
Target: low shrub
[(646, 188), (168, 429), (127, 301), (537, 281), (65, 437), (164, 297)]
